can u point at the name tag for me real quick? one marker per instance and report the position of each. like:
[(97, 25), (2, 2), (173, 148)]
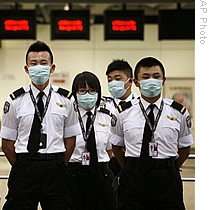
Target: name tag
[(153, 149), (86, 158), (43, 141)]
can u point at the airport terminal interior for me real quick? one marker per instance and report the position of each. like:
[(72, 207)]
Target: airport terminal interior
[(96, 53)]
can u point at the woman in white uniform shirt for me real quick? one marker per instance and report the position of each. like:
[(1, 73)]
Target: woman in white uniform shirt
[(90, 180)]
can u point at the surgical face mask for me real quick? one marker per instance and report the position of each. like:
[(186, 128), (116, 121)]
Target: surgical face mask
[(87, 101), (116, 88), (151, 87), (39, 74)]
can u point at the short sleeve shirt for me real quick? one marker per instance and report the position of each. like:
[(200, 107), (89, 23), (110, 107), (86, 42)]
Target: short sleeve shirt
[(59, 122), (173, 130), (102, 131)]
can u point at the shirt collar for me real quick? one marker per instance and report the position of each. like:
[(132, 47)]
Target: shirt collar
[(36, 91), (146, 104), (83, 111), (129, 98)]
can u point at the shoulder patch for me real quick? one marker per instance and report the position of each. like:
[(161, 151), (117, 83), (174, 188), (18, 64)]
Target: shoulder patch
[(6, 107), (17, 93), (178, 107), (188, 121), (64, 92), (124, 106)]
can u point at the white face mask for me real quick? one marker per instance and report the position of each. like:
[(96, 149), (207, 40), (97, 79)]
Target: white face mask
[(116, 88), (39, 74), (150, 87), (87, 101)]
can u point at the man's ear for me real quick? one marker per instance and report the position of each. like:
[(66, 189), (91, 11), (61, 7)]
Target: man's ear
[(136, 83), (26, 69), (52, 69), (164, 79)]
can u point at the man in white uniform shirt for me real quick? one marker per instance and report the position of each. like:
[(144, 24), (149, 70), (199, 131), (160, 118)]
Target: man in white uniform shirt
[(38, 132), (120, 79), (156, 134)]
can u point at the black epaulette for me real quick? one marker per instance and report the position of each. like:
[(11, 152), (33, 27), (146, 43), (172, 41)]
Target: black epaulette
[(17, 93), (107, 98), (113, 117), (124, 106), (178, 107), (64, 92)]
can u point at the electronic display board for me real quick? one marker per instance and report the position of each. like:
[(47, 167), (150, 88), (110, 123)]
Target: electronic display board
[(124, 24), (17, 24), (176, 24), (73, 24)]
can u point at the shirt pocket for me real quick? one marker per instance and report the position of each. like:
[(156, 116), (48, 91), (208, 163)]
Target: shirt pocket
[(133, 130), (58, 116), (25, 116), (102, 134), (171, 130)]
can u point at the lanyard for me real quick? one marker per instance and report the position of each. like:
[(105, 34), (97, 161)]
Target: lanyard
[(36, 107), (115, 104), (87, 133), (147, 118)]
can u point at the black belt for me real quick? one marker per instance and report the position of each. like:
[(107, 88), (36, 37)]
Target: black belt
[(40, 156), (85, 168), (150, 163)]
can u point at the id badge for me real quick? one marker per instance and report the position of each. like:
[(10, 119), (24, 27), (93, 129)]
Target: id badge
[(86, 158), (43, 141), (153, 149)]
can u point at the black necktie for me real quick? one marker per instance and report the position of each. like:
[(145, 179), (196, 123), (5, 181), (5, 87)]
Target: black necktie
[(147, 134), (40, 103), (35, 134), (91, 145), (121, 102)]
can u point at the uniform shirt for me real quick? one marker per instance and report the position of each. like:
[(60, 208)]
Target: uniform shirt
[(173, 130), (110, 105), (59, 122), (102, 131)]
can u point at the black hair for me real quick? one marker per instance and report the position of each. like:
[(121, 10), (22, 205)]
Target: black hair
[(121, 65), (148, 62), (83, 79), (39, 46)]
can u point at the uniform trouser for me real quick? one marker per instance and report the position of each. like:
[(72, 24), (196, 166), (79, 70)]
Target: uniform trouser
[(33, 180), (91, 191), (155, 186), (114, 166)]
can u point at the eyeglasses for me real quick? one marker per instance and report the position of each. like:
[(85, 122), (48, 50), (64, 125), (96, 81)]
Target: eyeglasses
[(83, 92)]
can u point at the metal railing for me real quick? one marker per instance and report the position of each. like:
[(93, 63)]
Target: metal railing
[(183, 179)]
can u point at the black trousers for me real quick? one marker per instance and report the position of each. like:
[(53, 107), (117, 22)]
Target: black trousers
[(42, 178), (91, 191), (150, 185), (114, 166)]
